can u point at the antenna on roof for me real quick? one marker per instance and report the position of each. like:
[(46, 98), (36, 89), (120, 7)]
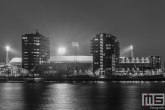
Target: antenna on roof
[(37, 31)]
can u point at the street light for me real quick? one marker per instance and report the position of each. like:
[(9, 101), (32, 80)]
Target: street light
[(7, 59), (7, 48), (61, 50), (132, 51), (131, 47), (7, 55), (75, 45)]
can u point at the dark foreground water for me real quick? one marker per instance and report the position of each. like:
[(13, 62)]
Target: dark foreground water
[(100, 95)]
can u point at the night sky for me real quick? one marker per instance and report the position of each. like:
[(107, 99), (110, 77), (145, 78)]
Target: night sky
[(137, 22)]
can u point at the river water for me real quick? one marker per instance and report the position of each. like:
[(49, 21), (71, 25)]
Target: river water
[(94, 95)]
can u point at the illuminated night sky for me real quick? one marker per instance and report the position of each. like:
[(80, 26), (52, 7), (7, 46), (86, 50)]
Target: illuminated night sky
[(140, 23)]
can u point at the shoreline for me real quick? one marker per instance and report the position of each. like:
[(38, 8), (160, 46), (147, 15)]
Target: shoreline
[(63, 79)]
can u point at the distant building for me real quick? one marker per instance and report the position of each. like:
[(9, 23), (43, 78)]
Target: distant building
[(65, 65), (139, 65), (59, 65), (16, 61), (35, 50), (3, 68), (106, 52)]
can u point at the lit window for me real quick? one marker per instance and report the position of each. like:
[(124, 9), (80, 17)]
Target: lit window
[(37, 52), (96, 63), (25, 40), (36, 41), (24, 37), (96, 39), (36, 37)]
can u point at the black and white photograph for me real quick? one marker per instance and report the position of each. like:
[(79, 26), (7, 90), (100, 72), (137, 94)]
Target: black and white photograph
[(82, 54)]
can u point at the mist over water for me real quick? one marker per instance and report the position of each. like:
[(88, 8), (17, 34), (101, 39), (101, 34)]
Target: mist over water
[(94, 95)]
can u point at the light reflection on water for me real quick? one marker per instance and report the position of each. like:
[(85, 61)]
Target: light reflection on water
[(93, 95)]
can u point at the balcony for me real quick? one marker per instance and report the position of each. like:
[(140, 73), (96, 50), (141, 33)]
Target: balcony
[(101, 47), (101, 53)]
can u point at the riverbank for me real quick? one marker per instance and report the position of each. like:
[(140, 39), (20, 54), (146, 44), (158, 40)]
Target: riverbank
[(71, 79)]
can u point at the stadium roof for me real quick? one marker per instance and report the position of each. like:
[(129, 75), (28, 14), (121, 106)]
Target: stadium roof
[(71, 58), (16, 60), (60, 59)]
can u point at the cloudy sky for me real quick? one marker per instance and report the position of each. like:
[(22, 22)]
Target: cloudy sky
[(137, 22)]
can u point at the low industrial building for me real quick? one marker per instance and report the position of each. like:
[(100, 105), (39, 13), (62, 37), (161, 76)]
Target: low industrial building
[(139, 66), (66, 65)]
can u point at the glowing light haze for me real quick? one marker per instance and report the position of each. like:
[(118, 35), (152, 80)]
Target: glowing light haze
[(61, 50), (7, 48), (131, 47), (125, 52), (137, 22)]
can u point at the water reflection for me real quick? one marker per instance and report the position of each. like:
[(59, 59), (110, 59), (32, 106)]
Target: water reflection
[(94, 95), (11, 96)]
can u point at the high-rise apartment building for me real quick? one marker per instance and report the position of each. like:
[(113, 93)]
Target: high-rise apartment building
[(106, 52), (35, 50)]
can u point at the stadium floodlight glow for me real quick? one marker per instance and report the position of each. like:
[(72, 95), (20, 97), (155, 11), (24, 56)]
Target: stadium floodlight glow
[(61, 50), (131, 47), (7, 55), (7, 48)]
